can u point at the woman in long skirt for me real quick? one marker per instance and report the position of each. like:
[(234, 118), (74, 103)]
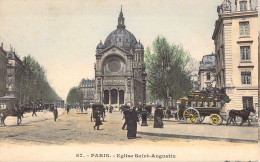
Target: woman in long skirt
[(158, 123), (132, 124)]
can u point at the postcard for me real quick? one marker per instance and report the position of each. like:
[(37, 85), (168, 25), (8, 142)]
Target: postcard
[(121, 80)]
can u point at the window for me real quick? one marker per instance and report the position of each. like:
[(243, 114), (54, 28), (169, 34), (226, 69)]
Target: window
[(246, 77), (208, 76), (243, 5), (244, 28), (247, 102), (245, 53)]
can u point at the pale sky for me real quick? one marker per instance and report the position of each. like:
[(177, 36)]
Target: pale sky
[(62, 35)]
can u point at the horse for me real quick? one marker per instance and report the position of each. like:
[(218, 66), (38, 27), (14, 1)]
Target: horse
[(12, 112), (244, 114)]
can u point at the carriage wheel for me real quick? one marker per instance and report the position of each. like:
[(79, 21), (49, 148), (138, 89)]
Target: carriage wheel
[(191, 115), (202, 119), (215, 119)]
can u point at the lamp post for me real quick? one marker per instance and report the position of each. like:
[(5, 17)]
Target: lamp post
[(144, 111), (144, 74), (144, 117)]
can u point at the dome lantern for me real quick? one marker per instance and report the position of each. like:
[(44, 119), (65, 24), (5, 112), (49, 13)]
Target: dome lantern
[(121, 20)]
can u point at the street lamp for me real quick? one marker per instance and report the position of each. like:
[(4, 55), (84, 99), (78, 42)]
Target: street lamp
[(144, 74)]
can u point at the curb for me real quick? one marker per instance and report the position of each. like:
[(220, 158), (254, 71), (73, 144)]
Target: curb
[(198, 137)]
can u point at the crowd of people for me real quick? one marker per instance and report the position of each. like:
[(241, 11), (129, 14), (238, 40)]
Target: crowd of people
[(131, 115)]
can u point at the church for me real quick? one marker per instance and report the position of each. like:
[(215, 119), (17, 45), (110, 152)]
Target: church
[(119, 69)]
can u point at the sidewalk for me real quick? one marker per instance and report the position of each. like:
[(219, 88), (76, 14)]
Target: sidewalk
[(202, 132)]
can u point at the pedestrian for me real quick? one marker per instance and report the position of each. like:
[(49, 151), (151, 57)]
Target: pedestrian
[(98, 120), (168, 113), (132, 124), (164, 112), (158, 123), (33, 109), (107, 108), (68, 108), (104, 112), (110, 109), (81, 108), (126, 117), (182, 107), (55, 113)]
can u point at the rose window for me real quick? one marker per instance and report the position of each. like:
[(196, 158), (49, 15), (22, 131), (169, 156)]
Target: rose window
[(114, 65)]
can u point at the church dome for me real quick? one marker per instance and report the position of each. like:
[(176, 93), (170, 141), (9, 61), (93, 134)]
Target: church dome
[(121, 37)]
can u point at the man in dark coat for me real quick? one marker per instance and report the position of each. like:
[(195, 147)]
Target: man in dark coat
[(158, 114), (104, 111), (34, 108), (132, 124), (68, 108), (110, 109), (126, 116), (97, 116), (55, 113), (182, 107)]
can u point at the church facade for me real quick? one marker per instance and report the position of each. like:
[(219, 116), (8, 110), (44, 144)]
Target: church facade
[(119, 68)]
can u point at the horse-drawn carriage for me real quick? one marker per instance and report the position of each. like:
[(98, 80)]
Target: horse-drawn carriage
[(98, 109), (9, 107), (196, 106)]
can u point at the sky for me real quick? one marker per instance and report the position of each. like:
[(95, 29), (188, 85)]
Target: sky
[(62, 35)]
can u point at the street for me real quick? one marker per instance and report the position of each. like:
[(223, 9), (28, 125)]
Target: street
[(76, 129)]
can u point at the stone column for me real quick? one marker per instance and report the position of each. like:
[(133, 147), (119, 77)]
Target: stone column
[(101, 91), (109, 94), (118, 97)]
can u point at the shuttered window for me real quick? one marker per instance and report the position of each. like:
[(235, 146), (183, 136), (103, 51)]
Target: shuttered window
[(244, 28), (246, 77), (247, 102), (245, 53)]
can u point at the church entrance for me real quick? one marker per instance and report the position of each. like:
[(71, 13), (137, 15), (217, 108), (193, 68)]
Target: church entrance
[(114, 96), (106, 97), (121, 97)]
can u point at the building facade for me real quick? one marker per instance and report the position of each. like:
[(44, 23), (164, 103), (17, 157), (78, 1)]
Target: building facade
[(236, 48), (119, 68), (194, 77), (207, 71), (3, 71), (14, 74), (87, 90)]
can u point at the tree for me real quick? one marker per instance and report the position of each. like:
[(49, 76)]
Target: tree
[(74, 96), (32, 83), (166, 72)]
